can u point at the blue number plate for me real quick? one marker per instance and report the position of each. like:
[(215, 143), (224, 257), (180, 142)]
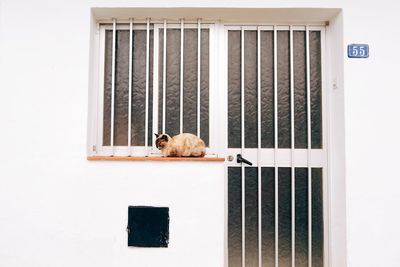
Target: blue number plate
[(357, 51)]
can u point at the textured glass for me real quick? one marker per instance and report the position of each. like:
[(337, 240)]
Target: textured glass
[(283, 58), (190, 82), (121, 104), (300, 89), (107, 88), (172, 120), (234, 93), (234, 217), (205, 85), (251, 216), (284, 217), (317, 219), (267, 89), (268, 216), (316, 89), (301, 219), (139, 88), (250, 89)]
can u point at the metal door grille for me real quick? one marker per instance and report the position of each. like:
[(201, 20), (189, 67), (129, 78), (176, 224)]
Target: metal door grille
[(276, 120)]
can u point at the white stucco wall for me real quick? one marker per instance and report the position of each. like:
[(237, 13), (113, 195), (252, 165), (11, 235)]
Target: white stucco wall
[(57, 209)]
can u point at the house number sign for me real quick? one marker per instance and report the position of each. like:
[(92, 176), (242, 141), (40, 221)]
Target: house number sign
[(358, 51)]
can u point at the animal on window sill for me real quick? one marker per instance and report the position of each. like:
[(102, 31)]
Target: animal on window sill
[(181, 145)]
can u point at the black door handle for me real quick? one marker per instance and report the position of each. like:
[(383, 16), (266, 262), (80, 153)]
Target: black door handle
[(240, 159)]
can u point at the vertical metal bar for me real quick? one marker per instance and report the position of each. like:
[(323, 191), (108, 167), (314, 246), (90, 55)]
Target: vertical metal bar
[(276, 146), (259, 145), (309, 147), (242, 149), (292, 163), (146, 130), (164, 74), (155, 82), (130, 86), (113, 85), (181, 81), (198, 73)]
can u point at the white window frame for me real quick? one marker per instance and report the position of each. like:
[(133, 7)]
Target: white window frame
[(139, 151)]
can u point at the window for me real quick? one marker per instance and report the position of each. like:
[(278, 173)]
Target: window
[(149, 83)]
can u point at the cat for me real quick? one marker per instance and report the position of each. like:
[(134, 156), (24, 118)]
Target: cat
[(181, 145)]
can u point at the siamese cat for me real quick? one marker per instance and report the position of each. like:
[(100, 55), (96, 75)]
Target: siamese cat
[(181, 145)]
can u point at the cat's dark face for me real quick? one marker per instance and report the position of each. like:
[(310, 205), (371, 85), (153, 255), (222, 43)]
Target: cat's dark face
[(161, 141)]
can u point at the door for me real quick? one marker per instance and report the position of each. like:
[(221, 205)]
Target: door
[(276, 142)]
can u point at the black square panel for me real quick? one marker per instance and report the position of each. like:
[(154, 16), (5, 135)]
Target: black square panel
[(148, 226)]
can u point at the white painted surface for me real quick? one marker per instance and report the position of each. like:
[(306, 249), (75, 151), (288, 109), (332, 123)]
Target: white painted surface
[(57, 209)]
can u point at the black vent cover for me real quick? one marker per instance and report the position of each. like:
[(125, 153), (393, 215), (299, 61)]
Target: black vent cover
[(148, 226)]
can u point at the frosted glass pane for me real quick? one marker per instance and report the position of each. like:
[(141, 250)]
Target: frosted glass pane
[(139, 88), (234, 217), (300, 89), (251, 216), (284, 217), (284, 132), (250, 89), (301, 220), (107, 88), (204, 93), (121, 89), (316, 89), (172, 124), (234, 94), (190, 82), (268, 216), (267, 89), (317, 219)]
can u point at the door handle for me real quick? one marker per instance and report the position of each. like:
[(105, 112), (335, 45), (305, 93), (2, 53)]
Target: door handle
[(240, 159)]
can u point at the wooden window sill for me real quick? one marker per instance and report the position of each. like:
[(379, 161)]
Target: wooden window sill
[(123, 158)]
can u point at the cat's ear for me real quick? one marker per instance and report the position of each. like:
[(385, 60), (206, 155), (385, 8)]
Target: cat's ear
[(164, 137), (157, 135)]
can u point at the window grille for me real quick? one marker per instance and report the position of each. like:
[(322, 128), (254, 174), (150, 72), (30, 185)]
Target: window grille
[(154, 79)]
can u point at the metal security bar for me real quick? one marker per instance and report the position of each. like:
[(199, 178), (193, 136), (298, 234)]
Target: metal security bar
[(130, 86), (181, 78), (146, 128), (259, 147), (292, 155), (242, 147), (113, 86), (198, 74), (309, 193), (276, 146), (156, 107), (295, 171), (164, 76)]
